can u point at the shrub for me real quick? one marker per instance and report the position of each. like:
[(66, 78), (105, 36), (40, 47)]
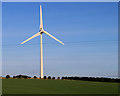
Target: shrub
[(53, 78), (34, 77), (49, 77), (58, 77), (45, 77)]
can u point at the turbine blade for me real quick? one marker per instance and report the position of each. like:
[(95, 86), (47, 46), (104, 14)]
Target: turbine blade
[(53, 37), (31, 38), (41, 21)]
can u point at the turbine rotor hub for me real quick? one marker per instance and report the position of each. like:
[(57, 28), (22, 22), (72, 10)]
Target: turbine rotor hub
[(41, 31)]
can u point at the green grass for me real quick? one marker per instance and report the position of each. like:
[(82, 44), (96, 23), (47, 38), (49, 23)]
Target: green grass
[(36, 86)]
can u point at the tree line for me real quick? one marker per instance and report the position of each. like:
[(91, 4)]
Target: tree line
[(100, 79), (28, 77)]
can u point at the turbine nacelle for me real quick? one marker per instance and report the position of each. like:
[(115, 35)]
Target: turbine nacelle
[(41, 27)]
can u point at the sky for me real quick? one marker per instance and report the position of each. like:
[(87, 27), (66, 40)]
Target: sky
[(89, 31)]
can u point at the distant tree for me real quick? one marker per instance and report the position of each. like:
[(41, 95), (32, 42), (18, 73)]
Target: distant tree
[(29, 77), (24, 76), (58, 77), (14, 77), (66, 77), (34, 77), (49, 77), (63, 78), (45, 77), (7, 76), (20, 76), (53, 78)]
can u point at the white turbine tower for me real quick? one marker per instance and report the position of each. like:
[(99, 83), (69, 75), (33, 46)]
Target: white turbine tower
[(41, 48)]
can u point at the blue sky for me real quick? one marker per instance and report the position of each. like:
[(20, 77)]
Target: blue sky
[(89, 31)]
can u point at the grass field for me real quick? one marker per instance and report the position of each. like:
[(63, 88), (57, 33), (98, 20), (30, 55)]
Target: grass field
[(36, 86)]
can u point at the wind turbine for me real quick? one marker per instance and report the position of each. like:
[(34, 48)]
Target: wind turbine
[(41, 48)]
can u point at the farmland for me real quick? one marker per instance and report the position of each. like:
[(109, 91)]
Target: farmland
[(39, 86)]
